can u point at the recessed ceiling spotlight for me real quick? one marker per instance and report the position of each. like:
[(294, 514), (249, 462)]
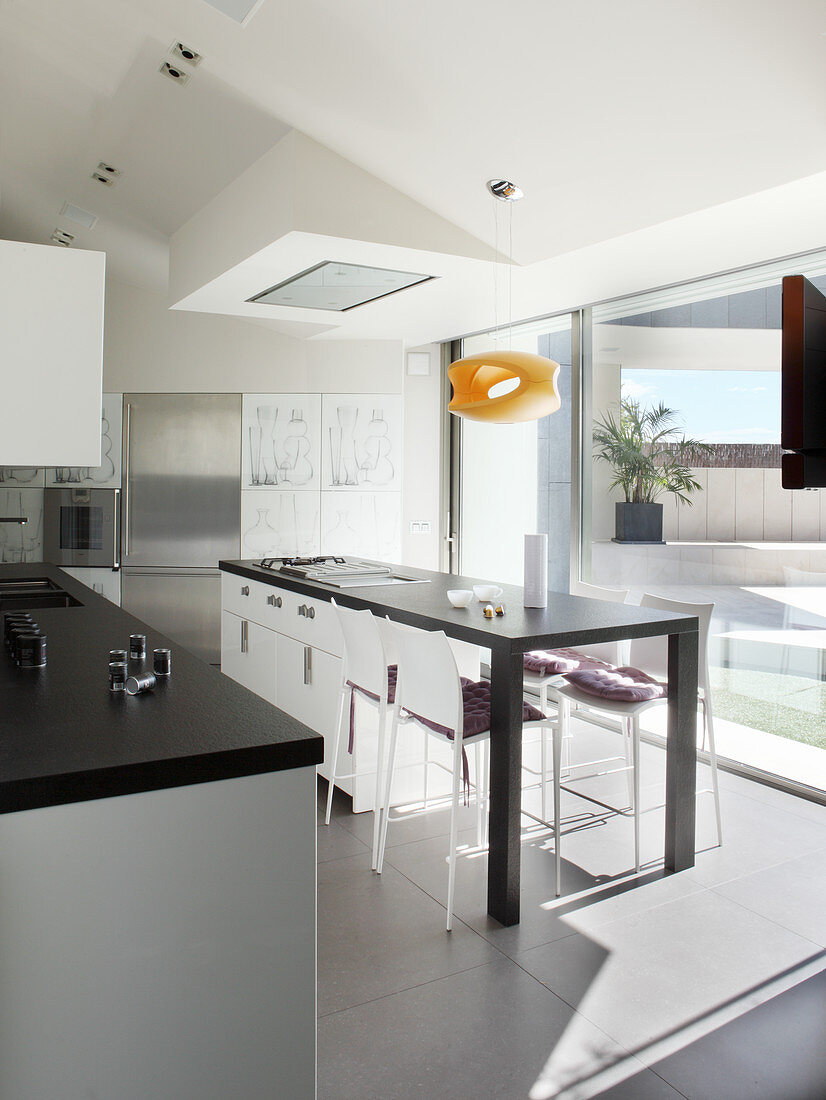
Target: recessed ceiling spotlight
[(60, 236), (77, 214), (107, 181), (185, 53), (108, 170), (173, 72)]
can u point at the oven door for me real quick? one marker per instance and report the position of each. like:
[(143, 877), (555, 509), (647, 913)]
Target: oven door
[(82, 527)]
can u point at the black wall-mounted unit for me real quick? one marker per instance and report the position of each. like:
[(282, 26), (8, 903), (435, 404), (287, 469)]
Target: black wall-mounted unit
[(803, 387)]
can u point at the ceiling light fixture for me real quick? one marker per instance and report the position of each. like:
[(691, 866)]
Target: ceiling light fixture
[(61, 237), (504, 386), (174, 73), (186, 53)]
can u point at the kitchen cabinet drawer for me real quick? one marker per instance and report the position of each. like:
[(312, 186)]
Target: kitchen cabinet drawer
[(313, 622), (308, 684), (249, 654), (239, 595)]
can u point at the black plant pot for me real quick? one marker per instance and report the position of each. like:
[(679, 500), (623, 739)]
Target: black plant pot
[(638, 522)]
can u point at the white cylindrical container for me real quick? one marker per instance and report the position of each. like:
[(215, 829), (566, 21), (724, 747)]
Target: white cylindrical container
[(536, 571)]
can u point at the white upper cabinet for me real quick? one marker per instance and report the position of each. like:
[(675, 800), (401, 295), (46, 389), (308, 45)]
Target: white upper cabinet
[(51, 355)]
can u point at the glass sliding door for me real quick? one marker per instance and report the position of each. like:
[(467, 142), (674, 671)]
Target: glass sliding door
[(710, 353), (515, 479)]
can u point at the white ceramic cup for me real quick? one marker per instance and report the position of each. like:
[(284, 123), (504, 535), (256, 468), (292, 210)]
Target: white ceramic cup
[(460, 597), (484, 593)]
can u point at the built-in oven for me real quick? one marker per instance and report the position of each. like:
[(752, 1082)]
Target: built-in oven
[(82, 527)]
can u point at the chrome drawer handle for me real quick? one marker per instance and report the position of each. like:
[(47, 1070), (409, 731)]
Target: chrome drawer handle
[(274, 601), (245, 591), (307, 612), (310, 612)]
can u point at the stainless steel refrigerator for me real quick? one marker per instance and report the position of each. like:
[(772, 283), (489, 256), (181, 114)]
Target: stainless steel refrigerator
[(181, 511)]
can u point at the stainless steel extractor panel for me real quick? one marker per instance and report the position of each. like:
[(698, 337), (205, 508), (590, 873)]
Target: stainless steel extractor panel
[(182, 483)]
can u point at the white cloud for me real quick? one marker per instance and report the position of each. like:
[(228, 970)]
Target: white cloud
[(636, 390), (747, 389)]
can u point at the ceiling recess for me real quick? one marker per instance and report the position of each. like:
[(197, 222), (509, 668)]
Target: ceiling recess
[(60, 236), (173, 72), (339, 287), (185, 53), (77, 214), (241, 11)]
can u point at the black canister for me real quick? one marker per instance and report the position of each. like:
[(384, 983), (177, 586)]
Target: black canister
[(16, 633), (117, 676), (31, 649), (117, 656), (137, 647), (136, 685), (13, 619), (162, 661)]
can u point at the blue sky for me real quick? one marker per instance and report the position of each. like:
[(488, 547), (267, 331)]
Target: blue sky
[(726, 406)]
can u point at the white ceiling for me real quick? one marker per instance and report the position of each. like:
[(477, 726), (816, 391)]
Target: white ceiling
[(612, 117)]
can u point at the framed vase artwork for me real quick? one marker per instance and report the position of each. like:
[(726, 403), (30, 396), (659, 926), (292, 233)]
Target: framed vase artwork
[(361, 442), (361, 524), (29, 477), (21, 542), (108, 474), (281, 441), (279, 525)]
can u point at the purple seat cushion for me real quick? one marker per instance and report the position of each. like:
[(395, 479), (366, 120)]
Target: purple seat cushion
[(476, 709), (624, 685), (392, 674), (558, 662)]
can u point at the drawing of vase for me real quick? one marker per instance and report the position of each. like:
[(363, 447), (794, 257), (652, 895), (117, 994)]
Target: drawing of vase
[(348, 463), (376, 468), (106, 471), (343, 538), (267, 416), (262, 538), (297, 468), (255, 456)]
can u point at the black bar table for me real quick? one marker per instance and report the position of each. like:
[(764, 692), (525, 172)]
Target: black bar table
[(566, 621)]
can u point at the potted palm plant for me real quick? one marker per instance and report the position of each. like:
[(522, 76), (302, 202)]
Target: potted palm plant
[(649, 455)]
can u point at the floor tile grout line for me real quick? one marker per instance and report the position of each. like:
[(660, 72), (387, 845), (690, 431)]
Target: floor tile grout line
[(406, 989), (767, 867), (778, 924)]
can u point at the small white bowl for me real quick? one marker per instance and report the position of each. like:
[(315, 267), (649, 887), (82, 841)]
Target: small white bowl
[(484, 593), (460, 597)]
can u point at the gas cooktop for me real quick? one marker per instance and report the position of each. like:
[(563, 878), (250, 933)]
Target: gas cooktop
[(338, 571)]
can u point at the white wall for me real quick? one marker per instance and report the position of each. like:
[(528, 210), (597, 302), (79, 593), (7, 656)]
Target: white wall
[(51, 330), (423, 422), (149, 348)]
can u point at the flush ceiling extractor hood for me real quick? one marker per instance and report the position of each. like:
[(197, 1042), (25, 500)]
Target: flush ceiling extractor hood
[(338, 287)]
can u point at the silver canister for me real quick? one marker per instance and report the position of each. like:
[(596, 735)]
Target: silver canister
[(136, 685)]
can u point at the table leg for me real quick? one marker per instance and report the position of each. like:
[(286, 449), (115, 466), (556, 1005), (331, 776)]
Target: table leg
[(681, 752), (505, 786)]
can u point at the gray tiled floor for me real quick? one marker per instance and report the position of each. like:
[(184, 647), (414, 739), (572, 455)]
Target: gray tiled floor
[(623, 987)]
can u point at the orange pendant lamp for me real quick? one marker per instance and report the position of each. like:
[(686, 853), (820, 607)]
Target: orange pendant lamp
[(535, 393), (535, 396)]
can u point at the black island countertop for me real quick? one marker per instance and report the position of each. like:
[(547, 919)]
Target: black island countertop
[(567, 620), (64, 737)]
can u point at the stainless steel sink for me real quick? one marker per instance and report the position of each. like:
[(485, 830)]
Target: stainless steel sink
[(22, 593)]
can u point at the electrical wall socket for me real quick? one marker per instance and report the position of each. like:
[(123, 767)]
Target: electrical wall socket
[(420, 527)]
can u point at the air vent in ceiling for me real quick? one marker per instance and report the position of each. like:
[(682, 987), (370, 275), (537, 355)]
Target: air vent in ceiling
[(173, 72), (338, 287), (76, 214), (241, 11), (185, 53), (60, 236)]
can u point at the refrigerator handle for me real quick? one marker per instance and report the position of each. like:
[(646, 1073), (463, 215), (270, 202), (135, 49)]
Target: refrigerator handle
[(116, 534), (126, 477)]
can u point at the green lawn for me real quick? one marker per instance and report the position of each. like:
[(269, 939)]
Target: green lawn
[(788, 706)]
